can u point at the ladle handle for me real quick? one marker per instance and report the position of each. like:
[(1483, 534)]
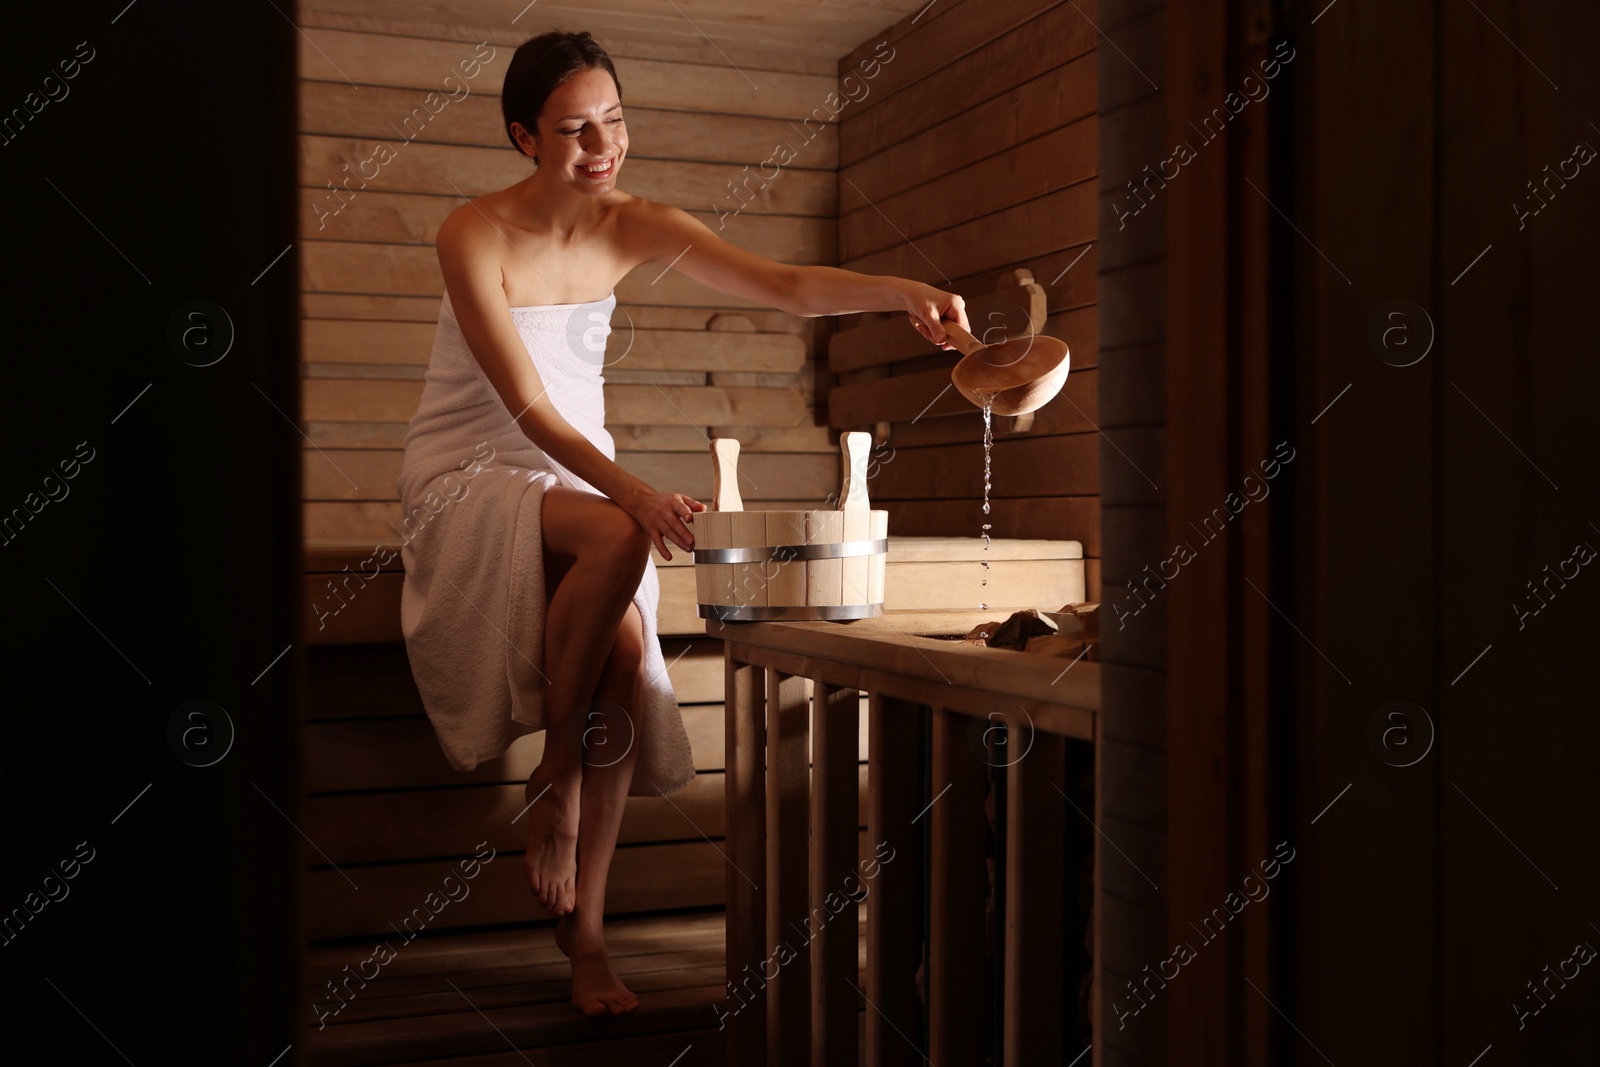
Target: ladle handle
[(964, 341)]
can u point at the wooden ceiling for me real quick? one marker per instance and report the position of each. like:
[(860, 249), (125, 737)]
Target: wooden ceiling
[(805, 36)]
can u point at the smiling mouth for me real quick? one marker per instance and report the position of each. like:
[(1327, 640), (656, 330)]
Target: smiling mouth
[(598, 170)]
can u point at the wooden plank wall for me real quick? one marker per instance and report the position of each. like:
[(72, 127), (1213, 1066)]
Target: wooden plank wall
[(973, 153), (698, 362)]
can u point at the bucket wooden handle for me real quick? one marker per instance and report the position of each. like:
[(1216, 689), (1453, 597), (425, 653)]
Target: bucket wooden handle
[(725, 471), (854, 448)]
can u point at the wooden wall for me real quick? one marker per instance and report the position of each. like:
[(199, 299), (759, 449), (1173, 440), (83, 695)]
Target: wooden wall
[(974, 153), (370, 280)]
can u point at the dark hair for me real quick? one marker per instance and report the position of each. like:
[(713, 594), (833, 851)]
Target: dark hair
[(539, 65)]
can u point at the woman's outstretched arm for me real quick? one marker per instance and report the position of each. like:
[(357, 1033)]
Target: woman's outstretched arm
[(472, 278), (671, 235)]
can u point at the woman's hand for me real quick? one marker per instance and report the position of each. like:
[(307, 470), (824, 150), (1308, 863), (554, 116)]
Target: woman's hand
[(664, 517), (929, 307)]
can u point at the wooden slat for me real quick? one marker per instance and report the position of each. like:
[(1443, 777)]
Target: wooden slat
[(674, 1010), (934, 38), (1010, 312), (414, 218), (404, 753), (889, 647), (787, 864), (1065, 465), (401, 308), (356, 166), (956, 890), (477, 954), (333, 108), (356, 400), (782, 475), (1060, 34), (370, 474), (910, 586), (894, 927), (746, 851), (1041, 225), (679, 1000), (1053, 99), (1023, 171), (915, 579), (642, 878), (901, 398), (359, 341), (1035, 887), (394, 827), (975, 700), (530, 985), (838, 805), (418, 63), (1023, 517), (356, 267), (629, 438), (784, 38)]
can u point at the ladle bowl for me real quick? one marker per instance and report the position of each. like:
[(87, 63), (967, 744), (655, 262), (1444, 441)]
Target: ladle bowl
[(1014, 377)]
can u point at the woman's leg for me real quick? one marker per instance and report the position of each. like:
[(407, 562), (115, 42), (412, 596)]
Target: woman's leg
[(603, 551), (613, 738)]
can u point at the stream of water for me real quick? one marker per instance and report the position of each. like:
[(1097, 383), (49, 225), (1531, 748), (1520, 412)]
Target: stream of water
[(988, 450)]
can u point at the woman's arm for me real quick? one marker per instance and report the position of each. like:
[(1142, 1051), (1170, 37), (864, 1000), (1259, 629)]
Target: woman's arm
[(472, 278), (673, 235)]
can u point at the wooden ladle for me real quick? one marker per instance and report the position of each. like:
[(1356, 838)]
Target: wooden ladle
[(1018, 376)]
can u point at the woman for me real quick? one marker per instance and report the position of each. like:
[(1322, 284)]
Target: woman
[(510, 489)]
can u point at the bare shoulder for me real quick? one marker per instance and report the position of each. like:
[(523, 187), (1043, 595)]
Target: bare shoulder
[(638, 212), (464, 227), (648, 228)]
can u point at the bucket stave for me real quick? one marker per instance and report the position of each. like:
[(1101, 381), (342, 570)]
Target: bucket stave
[(823, 563)]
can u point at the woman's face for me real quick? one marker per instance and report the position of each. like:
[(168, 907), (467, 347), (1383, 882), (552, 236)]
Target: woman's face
[(582, 138)]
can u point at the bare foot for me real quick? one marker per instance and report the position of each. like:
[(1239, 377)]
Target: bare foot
[(596, 989), (551, 860)]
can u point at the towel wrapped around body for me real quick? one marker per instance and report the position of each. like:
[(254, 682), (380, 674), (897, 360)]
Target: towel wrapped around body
[(473, 602)]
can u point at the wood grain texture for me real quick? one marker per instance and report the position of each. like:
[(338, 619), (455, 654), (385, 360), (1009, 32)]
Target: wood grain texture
[(1055, 98), (1060, 34), (420, 64)]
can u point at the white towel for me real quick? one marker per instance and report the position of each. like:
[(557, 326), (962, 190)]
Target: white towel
[(473, 602)]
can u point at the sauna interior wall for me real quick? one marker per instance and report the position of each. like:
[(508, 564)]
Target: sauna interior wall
[(697, 362), (972, 153)]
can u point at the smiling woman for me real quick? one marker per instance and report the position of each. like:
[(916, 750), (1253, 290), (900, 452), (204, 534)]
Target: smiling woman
[(532, 604)]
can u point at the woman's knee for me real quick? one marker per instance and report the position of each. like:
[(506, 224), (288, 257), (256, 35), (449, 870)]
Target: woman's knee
[(596, 532), (619, 541)]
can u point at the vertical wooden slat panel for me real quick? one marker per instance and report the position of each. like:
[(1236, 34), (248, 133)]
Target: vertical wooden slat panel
[(835, 820), (1035, 892), (956, 898), (894, 911), (788, 802), (746, 847)]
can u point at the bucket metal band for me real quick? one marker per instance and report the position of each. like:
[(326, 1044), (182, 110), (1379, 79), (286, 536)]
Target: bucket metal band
[(791, 553), (791, 613)]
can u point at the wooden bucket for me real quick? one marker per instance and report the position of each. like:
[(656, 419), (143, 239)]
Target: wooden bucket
[(752, 566)]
